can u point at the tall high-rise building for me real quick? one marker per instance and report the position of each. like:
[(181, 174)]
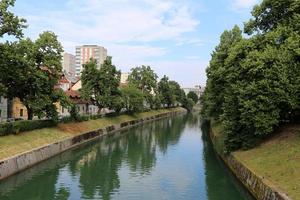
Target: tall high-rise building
[(68, 64), (86, 52)]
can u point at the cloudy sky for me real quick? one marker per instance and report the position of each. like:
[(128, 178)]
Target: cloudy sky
[(175, 37)]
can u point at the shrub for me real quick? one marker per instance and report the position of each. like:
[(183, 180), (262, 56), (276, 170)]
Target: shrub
[(22, 126)]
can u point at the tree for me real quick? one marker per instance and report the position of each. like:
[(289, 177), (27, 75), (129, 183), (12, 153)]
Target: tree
[(254, 84), (101, 85), (165, 91), (9, 23), (133, 99), (192, 95), (188, 104), (30, 72), (145, 79), (216, 73)]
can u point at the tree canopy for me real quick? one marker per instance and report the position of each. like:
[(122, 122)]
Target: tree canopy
[(30, 70), (101, 86), (254, 83), (9, 23)]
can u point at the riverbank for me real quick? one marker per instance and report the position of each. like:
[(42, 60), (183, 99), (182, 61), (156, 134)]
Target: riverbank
[(18, 152), (271, 170)]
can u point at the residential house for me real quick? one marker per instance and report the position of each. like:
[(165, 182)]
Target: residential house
[(18, 110)]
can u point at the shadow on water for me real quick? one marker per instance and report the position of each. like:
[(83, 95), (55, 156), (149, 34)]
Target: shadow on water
[(143, 162), (219, 178)]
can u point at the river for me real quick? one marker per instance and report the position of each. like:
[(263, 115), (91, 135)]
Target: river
[(167, 159)]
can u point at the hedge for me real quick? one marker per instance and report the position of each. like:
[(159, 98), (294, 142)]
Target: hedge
[(26, 125)]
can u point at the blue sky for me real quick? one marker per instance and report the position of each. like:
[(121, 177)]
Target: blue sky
[(175, 37)]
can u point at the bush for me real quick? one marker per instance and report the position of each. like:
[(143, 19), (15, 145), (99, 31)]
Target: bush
[(22, 126)]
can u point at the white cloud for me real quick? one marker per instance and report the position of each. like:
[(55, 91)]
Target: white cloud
[(127, 28), (239, 5)]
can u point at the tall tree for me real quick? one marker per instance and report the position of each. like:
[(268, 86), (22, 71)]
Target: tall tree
[(9, 23), (256, 87), (192, 95), (145, 79), (216, 82), (101, 85), (31, 71), (133, 99)]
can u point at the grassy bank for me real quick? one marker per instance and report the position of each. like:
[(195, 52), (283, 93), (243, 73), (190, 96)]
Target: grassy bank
[(15, 144), (277, 160)]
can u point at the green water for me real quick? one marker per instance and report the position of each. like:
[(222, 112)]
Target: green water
[(166, 159)]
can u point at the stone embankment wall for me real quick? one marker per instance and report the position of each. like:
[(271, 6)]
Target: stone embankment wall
[(25, 160), (259, 187)]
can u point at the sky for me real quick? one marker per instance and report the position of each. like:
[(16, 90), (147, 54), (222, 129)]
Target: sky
[(175, 37)]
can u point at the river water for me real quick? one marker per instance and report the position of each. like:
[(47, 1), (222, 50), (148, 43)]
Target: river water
[(167, 159)]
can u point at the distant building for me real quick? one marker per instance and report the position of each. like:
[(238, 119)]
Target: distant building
[(124, 78), (85, 53), (3, 109), (68, 64), (197, 89)]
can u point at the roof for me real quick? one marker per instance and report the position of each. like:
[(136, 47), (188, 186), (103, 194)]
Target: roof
[(73, 93)]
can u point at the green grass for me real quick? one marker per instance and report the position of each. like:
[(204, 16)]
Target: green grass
[(15, 144), (277, 160)]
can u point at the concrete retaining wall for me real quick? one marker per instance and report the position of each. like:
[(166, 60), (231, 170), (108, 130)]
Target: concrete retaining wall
[(25, 160), (256, 185)]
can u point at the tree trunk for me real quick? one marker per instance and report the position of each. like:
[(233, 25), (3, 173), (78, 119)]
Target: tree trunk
[(29, 113)]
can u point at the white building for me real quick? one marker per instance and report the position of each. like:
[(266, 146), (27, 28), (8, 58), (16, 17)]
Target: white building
[(68, 64), (3, 109), (197, 89), (124, 78), (85, 53)]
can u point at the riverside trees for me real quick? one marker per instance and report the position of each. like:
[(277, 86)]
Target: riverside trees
[(254, 83), (29, 70), (101, 86)]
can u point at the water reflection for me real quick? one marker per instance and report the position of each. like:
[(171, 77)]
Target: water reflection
[(159, 160)]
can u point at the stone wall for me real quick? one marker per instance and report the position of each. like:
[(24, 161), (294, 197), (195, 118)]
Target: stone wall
[(260, 188), (25, 160)]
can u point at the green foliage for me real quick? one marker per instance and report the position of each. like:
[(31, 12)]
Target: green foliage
[(9, 23), (170, 92), (30, 70), (21, 126), (192, 95), (145, 79), (133, 99), (188, 104), (254, 84), (101, 85)]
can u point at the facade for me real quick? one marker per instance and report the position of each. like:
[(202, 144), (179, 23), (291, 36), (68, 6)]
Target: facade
[(18, 110), (197, 89), (68, 64), (3, 109), (85, 53), (124, 79)]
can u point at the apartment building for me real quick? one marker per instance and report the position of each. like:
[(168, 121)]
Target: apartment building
[(68, 64), (85, 53)]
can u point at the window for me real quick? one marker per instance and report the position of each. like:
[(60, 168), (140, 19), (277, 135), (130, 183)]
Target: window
[(21, 112)]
